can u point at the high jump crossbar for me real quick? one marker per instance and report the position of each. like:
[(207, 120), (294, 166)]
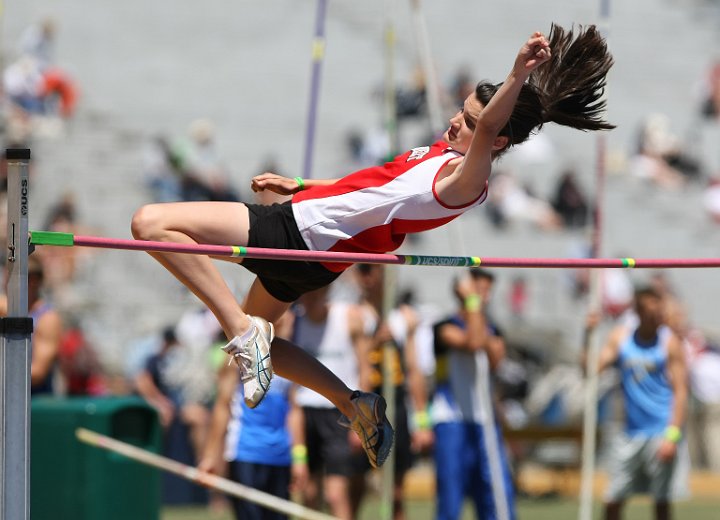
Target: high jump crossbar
[(200, 477), (52, 238)]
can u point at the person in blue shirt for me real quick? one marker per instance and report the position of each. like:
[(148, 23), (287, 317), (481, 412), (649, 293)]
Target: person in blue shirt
[(468, 348), (653, 377), (254, 446)]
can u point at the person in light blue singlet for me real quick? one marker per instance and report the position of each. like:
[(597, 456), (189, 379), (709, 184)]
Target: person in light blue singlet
[(653, 377)]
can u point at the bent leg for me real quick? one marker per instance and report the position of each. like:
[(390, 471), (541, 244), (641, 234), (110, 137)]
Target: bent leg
[(199, 222), (292, 362)]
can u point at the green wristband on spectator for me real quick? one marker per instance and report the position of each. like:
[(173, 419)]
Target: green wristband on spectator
[(673, 434), (473, 303), (299, 454), (300, 182), (421, 420)]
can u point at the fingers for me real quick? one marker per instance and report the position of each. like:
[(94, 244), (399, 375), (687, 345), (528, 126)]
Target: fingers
[(539, 46), (259, 182), (542, 54), (538, 38)]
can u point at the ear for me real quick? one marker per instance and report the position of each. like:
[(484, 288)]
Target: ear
[(501, 142)]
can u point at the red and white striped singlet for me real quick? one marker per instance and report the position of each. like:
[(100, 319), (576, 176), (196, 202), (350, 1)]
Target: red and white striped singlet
[(371, 211)]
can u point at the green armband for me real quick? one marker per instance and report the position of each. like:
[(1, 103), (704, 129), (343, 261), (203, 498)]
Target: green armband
[(473, 303), (673, 434), (299, 454), (300, 182)]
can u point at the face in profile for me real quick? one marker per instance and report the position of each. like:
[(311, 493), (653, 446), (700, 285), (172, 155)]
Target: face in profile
[(462, 125)]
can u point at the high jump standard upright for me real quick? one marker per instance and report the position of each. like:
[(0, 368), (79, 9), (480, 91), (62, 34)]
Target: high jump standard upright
[(15, 331)]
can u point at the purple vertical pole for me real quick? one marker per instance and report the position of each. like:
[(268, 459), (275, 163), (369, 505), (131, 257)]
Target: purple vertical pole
[(318, 53)]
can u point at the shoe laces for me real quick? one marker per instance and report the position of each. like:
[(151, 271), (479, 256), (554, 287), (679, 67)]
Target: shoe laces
[(243, 355)]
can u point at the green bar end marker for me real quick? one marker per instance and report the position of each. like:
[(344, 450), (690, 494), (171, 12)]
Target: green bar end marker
[(51, 238)]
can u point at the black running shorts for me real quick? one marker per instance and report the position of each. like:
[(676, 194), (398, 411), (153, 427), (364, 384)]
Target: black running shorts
[(274, 227), (327, 442)]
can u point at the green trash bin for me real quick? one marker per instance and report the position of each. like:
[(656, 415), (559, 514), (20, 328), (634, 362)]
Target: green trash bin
[(72, 480)]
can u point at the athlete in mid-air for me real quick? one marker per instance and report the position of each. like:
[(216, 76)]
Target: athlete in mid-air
[(558, 79)]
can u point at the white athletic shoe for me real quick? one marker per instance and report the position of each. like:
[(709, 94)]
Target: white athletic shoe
[(371, 425), (253, 358)]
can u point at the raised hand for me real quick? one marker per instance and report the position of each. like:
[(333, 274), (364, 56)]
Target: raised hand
[(275, 183), (533, 53)]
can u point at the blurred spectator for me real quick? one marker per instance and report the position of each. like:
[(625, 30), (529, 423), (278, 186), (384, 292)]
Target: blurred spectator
[(368, 148), (398, 331), (61, 264), (711, 93), (518, 297), (163, 170), (204, 175), (258, 444), (661, 157), (654, 383), (516, 203), (468, 348), (616, 292), (199, 333), (23, 85), (570, 202), (703, 359), (426, 316), (80, 368), (47, 330), (334, 333), (660, 282), (161, 384), (33, 83), (462, 86), (411, 101), (59, 93), (711, 199), (38, 41)]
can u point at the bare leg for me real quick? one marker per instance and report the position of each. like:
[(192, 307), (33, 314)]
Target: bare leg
[(197, 418), (337, 496), (292, 362), (311, 493), (199, 222), (228, 223), (358, 488)]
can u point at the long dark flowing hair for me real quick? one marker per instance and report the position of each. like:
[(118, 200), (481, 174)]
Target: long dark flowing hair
[(567, 90)]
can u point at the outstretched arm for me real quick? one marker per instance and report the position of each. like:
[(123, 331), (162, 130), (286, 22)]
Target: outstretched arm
[(474, 170), (285, 185)]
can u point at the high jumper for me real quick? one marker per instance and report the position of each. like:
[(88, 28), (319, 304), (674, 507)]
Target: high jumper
[(557, 79)]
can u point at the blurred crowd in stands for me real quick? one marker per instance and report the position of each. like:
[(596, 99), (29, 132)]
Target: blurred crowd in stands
[(460, 380)]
